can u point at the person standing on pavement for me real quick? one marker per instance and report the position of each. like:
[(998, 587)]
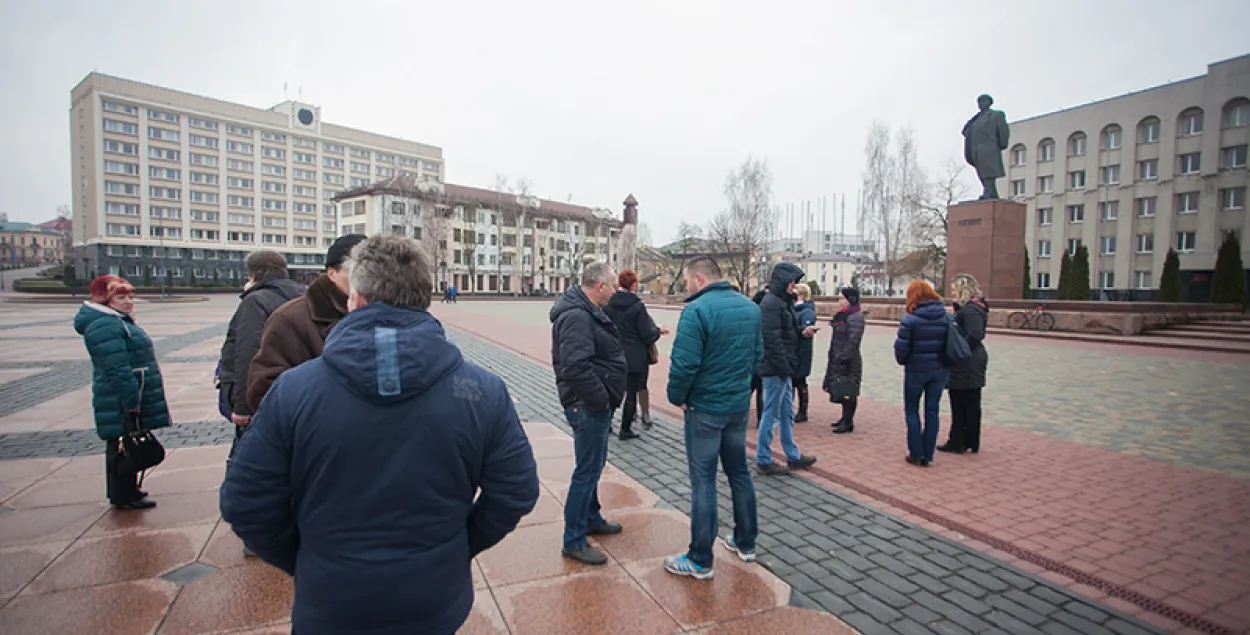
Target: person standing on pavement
[(968, 376), (375, 473), (718, 343), (920, 349), (126, 386), (781, 332), (805, 313), (845, 360), (297, 330), (639, 334), (591, 375)]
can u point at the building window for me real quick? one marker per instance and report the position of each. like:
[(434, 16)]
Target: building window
[(272, 136), (165, 232), (273, 204), (1145, 206), (304, 175), (272, 153), (205, 217), (1076, 213), (1232, 198), (123, 189), (1046, 150), (1234, 157), (1109, 210), (1185, 242), (205, 178), (304, 157), (362, 168), (162, 134), (121, 127), (1076, 145), (202, 141), (1046, 184), (359, 182), (1190, 163), (1189, 123), (329, 226), (304, 190), (240, 147), (333, 179), (205, 160), (305, 208), (1017, 188), (170, 213), (1148, 131), (202, 123), (1148, 170), (167, 193), (360, 154), (331, 162), (332, 147), (1110, 175), (385, 158), (272, 170), (1112, 137), (1073, 245), (240, 183), (1043, 249), (119, 147), (1237, 113), (1145, 243), (1018, 155), (241, 219), (169, 174), (1187, 203), (125, 109), (204, 197), (164, 154), (385, 172), (163, 116), (240, 166), (1043, 280), (1045, 216), (241, 201), (1076, 180), (273, 221), (303, 143), (1106, 245), (114, 229), (121, 209), (1106, 279), (1141, 279), (272, 187), (117, 167), (242, 132)]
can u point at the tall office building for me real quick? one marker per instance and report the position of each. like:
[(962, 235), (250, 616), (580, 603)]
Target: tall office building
[(1131, 176), (170, 182)]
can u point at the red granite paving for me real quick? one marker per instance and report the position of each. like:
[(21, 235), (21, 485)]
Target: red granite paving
[(1143, 536)]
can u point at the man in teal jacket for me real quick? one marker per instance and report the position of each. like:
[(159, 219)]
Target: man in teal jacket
[(718, 345)]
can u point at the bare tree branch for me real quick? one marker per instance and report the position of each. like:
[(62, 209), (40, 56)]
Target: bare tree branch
[(740, 231)]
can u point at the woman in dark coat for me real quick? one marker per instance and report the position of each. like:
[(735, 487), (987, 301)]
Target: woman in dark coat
[(844, 356), (805, 313), (968, 376), (638, 334), (920, 349), (126, 387)]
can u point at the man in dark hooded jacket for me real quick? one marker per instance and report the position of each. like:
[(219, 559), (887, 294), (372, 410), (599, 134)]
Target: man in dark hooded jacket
[(375, 473), (781, 363)]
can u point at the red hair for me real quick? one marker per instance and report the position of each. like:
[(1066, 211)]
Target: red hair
[(919, 291), (105, 287), (627, 279)]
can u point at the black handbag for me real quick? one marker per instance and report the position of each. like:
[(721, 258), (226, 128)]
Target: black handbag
[(138, 448), (842, 388)]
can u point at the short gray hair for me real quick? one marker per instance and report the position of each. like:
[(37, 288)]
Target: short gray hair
[(392, 270), (597, 272)]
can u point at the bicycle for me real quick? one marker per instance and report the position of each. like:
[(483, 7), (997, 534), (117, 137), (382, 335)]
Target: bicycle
[(1037, 319)]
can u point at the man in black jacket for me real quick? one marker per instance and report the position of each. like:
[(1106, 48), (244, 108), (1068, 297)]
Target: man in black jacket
[(590, 373), (780, 365)]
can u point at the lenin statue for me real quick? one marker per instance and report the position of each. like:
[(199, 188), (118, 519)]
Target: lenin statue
[(985, 138)]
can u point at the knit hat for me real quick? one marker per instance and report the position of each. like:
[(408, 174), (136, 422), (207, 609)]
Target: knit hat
[(851, 294), (341, 250), (105, 287)]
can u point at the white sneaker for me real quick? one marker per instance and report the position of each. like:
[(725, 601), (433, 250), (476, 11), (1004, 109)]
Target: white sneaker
[(745, 556)]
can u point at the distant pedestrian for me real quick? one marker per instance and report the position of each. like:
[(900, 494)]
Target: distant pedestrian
[(126, 388), (591, 374), (968, 376), (639, 335), (781, 333), (375, 473), (717, 345), (805, 313), (920, 348), (845, 369)]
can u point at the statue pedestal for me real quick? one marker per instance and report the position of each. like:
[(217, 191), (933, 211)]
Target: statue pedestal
[(986, 239)]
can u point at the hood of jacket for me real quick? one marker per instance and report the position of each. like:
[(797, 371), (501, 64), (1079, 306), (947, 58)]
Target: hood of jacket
[(783, 274), (90, 312), (326, 301), (931, 310), (574, 299), (286, 287), (385, 354), (622, 300)]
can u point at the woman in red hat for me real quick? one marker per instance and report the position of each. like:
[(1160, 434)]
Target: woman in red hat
[(125, 381)]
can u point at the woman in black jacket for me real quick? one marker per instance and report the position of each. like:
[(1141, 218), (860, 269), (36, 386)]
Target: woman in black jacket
[(968, 376), (845, 360), (638, 334)]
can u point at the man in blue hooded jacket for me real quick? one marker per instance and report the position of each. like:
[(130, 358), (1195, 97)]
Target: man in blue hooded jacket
[(360, 472)]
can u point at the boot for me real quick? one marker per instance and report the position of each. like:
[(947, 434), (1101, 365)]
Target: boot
[(627, 421), (801, 415), (847, 423)]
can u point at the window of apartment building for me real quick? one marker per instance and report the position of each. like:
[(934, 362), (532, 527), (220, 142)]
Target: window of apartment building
[(166, 193), (1187, 203), (306, 241), (408, 161), (205, 234), (359, 154), (306, 224), (1148, 131), (1148, 169), (205, 178), (428, 165), (241, 237), (1237, 113), (1145, 206), (1110, 174), (162, 134), (1189, 163), (115, 251), (1232, 198), (241, 131), (1109, 210), (164, 154), (331, 162), (359, 182), (1145, 243), (1045, 215), (1233, 157), (1106, 279), (1141, 279), (125, 109), (1043, 249), (120, 147), (121, 209), (121, 127), (305, 208), (273, 205), (1076, 213), (123, 189), (329, 209), (205, 160), (202, 123), (1106, 245), (384, 171), (304, 190), (362, 168), (161, 115), (1017, 188), (202, 141), (205, 197), (385, 158), (272, 153), (240, 183), (304, 157), (1074, 244), (329, 226), (272, 136), (241, 201), (303, 143), (1043, 280), (169, 174), (273, 187), (272, 170), (1112, 137), (240, 147), (165, 232), (1076, 180), (205, 216), (1018, 155), (170, 213), (1189, 123), (1185, 241), (118, 167), (240, 166), (304, 175), (117, 229), (333, 179), (241, 219), (1046, 184), (1076, 145), (332, 147), (273, 221)]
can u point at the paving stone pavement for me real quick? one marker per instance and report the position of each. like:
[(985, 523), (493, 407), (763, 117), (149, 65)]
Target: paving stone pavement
[(72, 443), (877, 573)]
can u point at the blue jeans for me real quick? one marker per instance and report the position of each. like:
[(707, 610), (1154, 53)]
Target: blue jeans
[(921, 443), (778, 411), (590, 449), (709, 437)]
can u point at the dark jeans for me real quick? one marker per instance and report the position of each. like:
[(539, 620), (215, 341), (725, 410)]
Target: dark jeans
[(966, 419), (590, 450), (634, 382), (922, 441), (708, 438), (120, 484)]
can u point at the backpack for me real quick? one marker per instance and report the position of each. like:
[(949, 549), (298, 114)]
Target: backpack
[(957, 349)]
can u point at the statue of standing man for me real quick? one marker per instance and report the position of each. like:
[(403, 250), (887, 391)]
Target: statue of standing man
[(985, 138)]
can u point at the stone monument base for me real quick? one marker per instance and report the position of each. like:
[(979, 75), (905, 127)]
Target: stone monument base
[(986, 239)]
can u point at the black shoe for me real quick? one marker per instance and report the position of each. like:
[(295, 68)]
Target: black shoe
[(844, 429), (974, 450), (585, 555), (606, 528), (626, 435), (800, 417), (803, 463), (143, 494), (772, 469), (140, 503), (952, 448), (646, 423)]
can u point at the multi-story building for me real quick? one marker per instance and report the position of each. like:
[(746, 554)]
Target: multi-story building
[(166, 179), (827, 242), (25, 244), (1134, 175), (483, 240), (830, 272)]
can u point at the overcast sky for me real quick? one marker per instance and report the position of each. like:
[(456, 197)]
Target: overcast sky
[(659, 99)]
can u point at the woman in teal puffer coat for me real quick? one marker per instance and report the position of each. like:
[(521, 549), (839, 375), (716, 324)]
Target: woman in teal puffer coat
[(125, 380)]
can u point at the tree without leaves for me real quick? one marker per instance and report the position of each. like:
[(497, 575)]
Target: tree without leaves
[(739, 232), (881, 196), (1170, 279), (927, 225), (1228, 285), (644, 235), (688, 235)]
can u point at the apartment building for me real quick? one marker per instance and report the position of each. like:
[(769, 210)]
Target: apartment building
[(170, 182), (26, 244), (1131, 176), (485, 241)]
